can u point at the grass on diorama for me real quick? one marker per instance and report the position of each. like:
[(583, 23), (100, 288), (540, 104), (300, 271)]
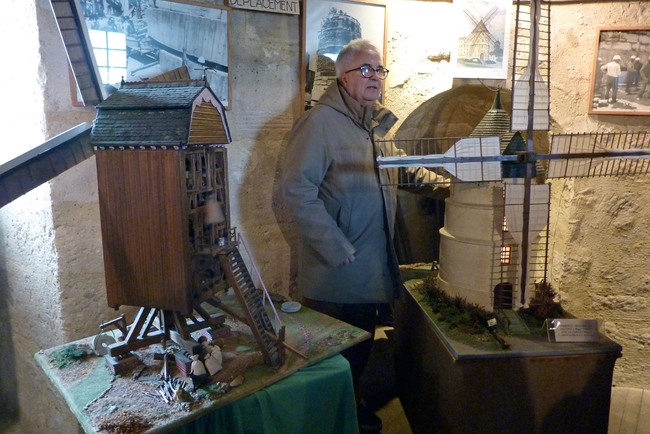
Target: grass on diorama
[(468, 322), (68, 355)]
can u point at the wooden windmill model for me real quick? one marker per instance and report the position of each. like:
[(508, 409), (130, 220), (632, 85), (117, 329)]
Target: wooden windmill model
[(163, 197), (168, 246), (494, 245)]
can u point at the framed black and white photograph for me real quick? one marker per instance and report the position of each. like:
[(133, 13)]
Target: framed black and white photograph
[(328, 26), (138, 40), (483, 38), (621, 72)]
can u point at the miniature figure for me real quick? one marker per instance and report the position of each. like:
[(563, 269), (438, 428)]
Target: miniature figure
[(198, 373), (213, 361), (213, 358)]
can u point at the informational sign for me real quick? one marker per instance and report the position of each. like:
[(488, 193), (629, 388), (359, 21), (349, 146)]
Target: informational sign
[(278, 6), (574, 330)]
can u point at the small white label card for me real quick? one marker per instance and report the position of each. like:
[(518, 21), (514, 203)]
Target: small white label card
[(574, 330)]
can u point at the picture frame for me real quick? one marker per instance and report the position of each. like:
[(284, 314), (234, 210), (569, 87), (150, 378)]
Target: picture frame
[(482, 39), (625, 94), (161, 38), (365, 19)]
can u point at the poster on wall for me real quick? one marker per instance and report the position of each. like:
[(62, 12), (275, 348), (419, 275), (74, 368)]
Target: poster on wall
[(136, 40), (328, 26), (621, 71), (483, 38)]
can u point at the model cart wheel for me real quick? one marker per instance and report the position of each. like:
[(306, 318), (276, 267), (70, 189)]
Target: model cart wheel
[(101, 343)]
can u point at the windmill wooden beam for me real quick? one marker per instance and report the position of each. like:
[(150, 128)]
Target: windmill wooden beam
[(82, 61), (41, 164)]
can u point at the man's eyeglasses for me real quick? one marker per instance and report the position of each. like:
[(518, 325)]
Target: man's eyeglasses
[(367, 70)]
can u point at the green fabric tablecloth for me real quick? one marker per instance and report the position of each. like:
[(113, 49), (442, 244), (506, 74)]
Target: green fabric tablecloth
[(316, 399)]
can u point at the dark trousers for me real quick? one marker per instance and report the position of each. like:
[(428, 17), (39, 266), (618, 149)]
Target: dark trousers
[(363, 316), (612, 84)]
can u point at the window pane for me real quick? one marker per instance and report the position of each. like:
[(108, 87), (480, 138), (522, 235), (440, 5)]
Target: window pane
[(103, 72), (97, 38), (100, 57), (116, 40), (117, 58), (115, 75)]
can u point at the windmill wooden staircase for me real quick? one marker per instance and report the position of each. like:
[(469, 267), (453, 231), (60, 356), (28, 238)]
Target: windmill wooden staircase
[(145, 331), (252, 304)]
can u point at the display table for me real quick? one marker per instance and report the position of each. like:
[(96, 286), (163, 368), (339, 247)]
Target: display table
[(446, 386), (316, 399), (313, 395)]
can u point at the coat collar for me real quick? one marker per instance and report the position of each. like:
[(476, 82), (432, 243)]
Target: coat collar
[(377, 119)]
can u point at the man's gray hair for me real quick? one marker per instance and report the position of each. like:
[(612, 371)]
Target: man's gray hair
[(349, 51)]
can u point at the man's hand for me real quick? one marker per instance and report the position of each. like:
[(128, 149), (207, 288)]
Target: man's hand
[(348, 260)]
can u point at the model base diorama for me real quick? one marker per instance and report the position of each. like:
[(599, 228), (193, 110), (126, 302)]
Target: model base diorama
[(167, 385), (152, 326)]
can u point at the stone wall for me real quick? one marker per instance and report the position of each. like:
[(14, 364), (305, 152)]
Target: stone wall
[(599, 231), (53, 287)]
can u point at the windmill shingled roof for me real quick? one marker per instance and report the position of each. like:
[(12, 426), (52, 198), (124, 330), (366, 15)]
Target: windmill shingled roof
[(148, 95), (147, 113), (496, 122), (147, 127)]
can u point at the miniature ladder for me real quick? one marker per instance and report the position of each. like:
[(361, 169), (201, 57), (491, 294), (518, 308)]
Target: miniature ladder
[(252, 305)]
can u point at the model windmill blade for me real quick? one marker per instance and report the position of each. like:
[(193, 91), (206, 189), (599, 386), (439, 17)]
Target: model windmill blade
[(598, 154), (74, 34), (528, 220), (539, 209), (471, 159), (531, 67), (521, 101), (531, 98), (43, 163)]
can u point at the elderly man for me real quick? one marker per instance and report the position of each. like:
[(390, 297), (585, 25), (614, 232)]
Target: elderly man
[(341, 203)]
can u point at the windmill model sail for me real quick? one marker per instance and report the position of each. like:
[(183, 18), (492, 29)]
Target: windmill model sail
[(598, 154), (531, 97), (531, 68), (468, 160)]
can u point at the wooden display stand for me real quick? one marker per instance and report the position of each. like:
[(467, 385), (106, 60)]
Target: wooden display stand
[(535, 387)]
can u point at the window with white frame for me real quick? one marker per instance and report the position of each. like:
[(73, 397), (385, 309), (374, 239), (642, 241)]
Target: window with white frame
[(110, 54)]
